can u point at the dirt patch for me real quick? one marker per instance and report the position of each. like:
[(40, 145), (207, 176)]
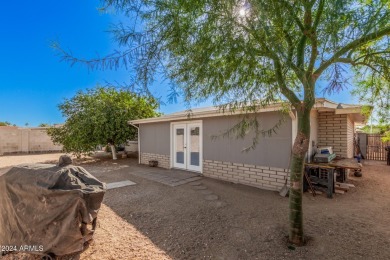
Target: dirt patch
[(151, 220), (11, 160)]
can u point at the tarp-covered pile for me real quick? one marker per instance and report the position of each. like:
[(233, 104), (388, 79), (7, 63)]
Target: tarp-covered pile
[(47, 209)]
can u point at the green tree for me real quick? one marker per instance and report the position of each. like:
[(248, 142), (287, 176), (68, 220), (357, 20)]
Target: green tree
[(374, 88), (243, 52), (43, 125), (5, 123), (99, 116), (383, 129)]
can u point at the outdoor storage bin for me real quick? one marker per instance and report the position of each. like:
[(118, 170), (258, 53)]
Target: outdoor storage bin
[(47, 209)]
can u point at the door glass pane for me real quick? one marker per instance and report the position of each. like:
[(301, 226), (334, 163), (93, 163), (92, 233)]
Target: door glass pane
[(179, 145), (194, 146)]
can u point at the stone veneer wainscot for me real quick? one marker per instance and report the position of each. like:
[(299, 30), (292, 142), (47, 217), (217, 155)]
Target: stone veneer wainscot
[(263, 177), (163, 160)]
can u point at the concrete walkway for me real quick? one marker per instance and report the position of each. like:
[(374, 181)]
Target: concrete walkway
[(171, 177)]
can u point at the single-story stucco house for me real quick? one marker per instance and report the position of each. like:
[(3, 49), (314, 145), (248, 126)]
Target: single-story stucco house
[(187, 141)]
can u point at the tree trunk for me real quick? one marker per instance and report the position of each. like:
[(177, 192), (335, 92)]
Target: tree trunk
[(113, 151), (299, 150)]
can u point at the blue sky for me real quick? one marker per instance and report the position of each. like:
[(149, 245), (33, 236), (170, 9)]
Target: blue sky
[(33, 80)]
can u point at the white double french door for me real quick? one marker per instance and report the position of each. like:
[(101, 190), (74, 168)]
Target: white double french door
[(187, 146)]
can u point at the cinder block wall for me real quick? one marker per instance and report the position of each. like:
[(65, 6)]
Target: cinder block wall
[(163, 160), (263, 177), (10, 140), (336, 131), (25, 140), (39, 141)]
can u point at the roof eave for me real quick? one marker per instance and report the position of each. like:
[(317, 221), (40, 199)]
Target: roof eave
[(211, 113)]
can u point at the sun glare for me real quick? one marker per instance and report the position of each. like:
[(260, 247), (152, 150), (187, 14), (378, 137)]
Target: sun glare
[(243, 11)]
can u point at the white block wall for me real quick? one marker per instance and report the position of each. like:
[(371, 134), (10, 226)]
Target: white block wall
[(163, 160), (336, 131), (263, 177)]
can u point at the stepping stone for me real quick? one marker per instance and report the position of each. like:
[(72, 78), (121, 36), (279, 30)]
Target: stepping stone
[(206, 192), (195, 183), (200, 187), (211, 197), (114, 185)]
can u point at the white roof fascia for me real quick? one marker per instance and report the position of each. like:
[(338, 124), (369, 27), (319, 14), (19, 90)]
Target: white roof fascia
[(213, 112), (321, 104), (348, 110)]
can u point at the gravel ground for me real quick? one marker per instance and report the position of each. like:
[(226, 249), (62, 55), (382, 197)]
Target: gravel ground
[(11, 160), (211, 219)]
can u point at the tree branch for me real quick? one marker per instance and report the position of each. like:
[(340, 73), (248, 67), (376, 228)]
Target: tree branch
[(370, 54), (355, 63), (313, 37), (301, 54), (319, 14), (288, 93), (292, 13), (354, 44)]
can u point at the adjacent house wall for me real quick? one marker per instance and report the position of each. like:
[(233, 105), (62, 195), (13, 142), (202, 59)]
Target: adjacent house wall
[(155, 143), (25, 140), (264, 177), (273, 150), (264, 167), (223, 157), (336, 131)]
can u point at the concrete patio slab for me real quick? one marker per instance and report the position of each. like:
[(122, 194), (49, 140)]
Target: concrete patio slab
[(119, 184), (172, 177), (199, 187), (196, 183)]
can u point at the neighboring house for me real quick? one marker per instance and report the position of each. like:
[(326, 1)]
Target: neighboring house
[(187, 141)]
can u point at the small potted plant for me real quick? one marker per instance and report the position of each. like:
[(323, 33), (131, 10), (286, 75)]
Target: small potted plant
[(153, 163)]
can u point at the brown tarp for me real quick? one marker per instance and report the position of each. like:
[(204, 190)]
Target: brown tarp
[(46, 209)]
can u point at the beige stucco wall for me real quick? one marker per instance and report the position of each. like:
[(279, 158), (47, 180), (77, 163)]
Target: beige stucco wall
[(25, 140), (336, 131)]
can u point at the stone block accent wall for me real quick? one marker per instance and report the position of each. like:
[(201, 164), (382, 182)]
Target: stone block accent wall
[(163, 160), (335, 130), (263, 177)]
